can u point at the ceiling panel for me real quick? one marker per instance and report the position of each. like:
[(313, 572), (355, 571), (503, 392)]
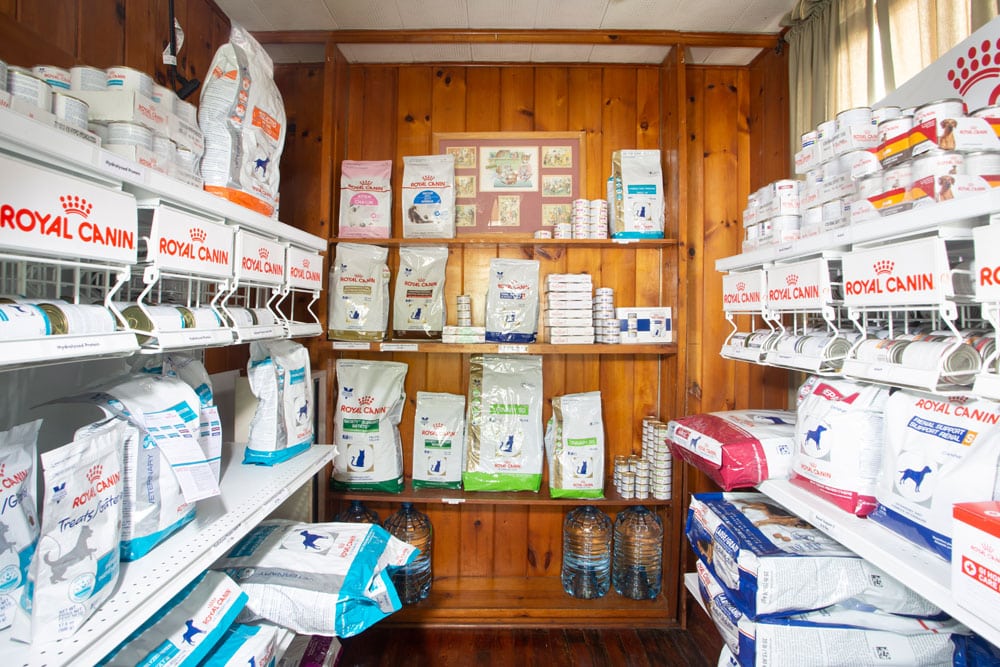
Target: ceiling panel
[(297, 15), (722, 57), (296, 53), (579, 14), (643, 14), (430, 14), (503, 14), (358, 15), (246, 13)]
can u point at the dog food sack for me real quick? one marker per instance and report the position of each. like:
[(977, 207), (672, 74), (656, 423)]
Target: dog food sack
[(18, 515), (418, 304), (246, 645), (365, 199), (438, 440), (428, 196), (938, 451), (638, 194), (242, 116), (282, 425), (359, 293), (574, 441), (328, 579), (838, 441), (370, 402), (761, 554), (503, 441), (512, 301), (736, 448), (186, 630), (75, 565)]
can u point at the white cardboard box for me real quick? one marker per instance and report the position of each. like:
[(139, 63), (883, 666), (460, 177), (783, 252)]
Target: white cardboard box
[(975, 557), (645, 325), (107, 106)]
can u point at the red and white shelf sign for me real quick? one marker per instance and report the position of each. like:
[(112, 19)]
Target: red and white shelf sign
[(305, 269), (799, 286), (183, 242), (903, 274), (259, 259), (742, 291)]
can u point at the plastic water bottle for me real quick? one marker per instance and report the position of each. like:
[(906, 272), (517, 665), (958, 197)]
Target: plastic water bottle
[(358, 513), (586, 562), (638, 567), (413, 581)]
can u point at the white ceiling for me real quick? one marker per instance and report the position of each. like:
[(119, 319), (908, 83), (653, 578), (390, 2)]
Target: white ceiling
[(740, 16)]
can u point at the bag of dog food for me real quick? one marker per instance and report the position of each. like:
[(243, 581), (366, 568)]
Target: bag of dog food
[(736, 448), (512, 301), (438, 440), (18, 515), (938, 451), (365, 199), (75, 565), (760, 554), (246, 645), (370, 404), (428, 196), (503, 442), (359, 293), (418, 304), (242, 116), (318, 578), (282, 425), (574, 441), (838, 441), (638, 194)]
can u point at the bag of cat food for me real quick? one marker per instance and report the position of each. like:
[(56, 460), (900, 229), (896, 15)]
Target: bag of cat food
[(311, 651), (428, 196), (370, 400), (18, 515), (418, 304), (438, 440), (574, 441), (503, 442), (242, 116), (282, 425), (638, 194), (365, 199), (512, 301), (359, 293), (75, 565)]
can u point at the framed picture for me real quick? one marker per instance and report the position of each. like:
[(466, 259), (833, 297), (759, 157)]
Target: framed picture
[(514, 183)]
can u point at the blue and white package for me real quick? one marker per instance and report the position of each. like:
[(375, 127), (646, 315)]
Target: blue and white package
[(938, 451), (186, 629), (245, 645), (770, 562), (329, 579), (280, 378), (512, 301), (18, 514)]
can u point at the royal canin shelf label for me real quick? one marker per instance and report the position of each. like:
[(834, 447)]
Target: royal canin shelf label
[(179, 241), (987, 265), (743, 291), (799, 286), (903, 274), (44, 212), (259, 259), (305, 269)]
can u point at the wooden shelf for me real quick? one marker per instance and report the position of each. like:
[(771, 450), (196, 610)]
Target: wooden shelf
[(459, 497), (630, 349), (512, 240)]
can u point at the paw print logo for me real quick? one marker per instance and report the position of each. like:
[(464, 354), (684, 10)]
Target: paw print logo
[(978, 66)]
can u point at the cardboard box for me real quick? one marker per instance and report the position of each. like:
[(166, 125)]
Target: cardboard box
[(975, 557), (108, 106), (645, 325)]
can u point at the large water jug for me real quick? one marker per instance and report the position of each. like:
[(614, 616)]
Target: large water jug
[(358, 513), (638, 566), (413, 581), (586, 562)]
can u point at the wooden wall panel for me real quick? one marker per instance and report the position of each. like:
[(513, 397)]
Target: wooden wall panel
[(100, 22), (56, 20)]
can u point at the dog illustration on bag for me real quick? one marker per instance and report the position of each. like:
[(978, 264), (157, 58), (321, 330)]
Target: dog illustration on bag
[(915, 476), (81, 551), (815, 434), (309, 540), (191, 632)]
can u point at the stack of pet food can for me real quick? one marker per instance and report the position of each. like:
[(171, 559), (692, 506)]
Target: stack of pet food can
[(656, 450), (562, 230), (568, 305), (598, 218), (463, 310), (607, 328), (580, 219)]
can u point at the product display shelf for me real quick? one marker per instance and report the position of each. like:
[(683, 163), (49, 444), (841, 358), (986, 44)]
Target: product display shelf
[(459, 497), (919, 569), (249, 494), (512, 240), (505, 348)]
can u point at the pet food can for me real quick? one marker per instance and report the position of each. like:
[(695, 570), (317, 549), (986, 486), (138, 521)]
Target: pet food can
[(832, 169), (563, 230), (933, 124), (57, 77), (991, 115), (204, 317), (894, 140), (263, 317), (24, 85), (70, 318), (543, 234), (100, 129), (240, 317), (22, 320), (83, 77), (581, 230), (881, 350), (809, 138), (884, 113), (785, 228), (852, 117), (870, 185), (934, 175), (826, 130), (751, 233), (130, 134), (126, 78), (70, 110), (187, 160), (147, 320), (165, 97), (164, 148), (833, 213), (860, 163), (186, 111), (984, 164), (187, 317), (899, 177)]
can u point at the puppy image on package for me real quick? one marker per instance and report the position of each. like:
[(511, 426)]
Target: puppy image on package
[(944, 187), (946, 140)]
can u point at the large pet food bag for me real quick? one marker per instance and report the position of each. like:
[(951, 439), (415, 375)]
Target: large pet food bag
[(838, 441), (574, 441), (938, 451), (246, 645), (736, 448), (365, 199), (242, 117), (512, 301), (370, 400), (282, 425), (761, 554), (438, 440), (503, 443), (428, 196), (638, 194), (418, 303), (18, 513), (359, 293)]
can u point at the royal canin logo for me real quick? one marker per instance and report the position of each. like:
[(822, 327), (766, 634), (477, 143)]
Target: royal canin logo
[(197, 234), (305, 263), (194, 249), (884, 282), (74, 204), (793, 291), (73, 222), (437, 425), (261, 265), (305, 273), (366, 400), (884, 267), (989, 276), (94, 473), (365, 184), (741, 286), (14, 479), (791, 279), (262, 253), (978, 66), (99, 485)]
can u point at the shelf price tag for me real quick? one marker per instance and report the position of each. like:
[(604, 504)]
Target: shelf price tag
[(512, 349), (346, 345), (123, 168), (399, 347)]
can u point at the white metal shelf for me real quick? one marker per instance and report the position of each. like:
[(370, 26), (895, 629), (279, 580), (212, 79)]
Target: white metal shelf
[(249, 494)]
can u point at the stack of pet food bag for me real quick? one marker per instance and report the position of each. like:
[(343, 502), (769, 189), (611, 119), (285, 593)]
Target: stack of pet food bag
[(774, 584)]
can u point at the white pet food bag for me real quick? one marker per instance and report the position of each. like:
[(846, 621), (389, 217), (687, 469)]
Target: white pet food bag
[(503, 442), (418, 303), (639, 211), (938, 451), (512, 301), (838, 441), (428, 196), (574, 441), (359, 293), (438, 440), (75, 566), (311, 651), (282, 425), (246, 645), (18, 514), (370, 402), (329, 579), (365, 199), (242, 117)]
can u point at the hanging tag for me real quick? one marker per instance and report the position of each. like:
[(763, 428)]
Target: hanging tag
[(181, 450), (171, 58)]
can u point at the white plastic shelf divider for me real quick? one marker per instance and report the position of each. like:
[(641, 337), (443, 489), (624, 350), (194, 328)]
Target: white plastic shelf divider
[(917, 568), (249, 494)]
